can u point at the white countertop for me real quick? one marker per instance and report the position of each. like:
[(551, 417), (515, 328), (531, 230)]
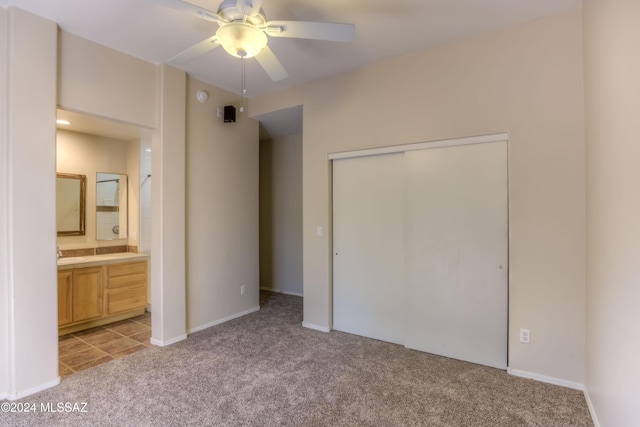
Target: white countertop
[(96, 260)]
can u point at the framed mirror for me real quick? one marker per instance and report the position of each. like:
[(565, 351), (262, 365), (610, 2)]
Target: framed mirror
[(111, 206), (71, 193)]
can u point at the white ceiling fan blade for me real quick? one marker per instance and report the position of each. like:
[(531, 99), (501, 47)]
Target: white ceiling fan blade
[(187, 7), (271, 65), (194, 51), (255, 7), (249, 7), (311, 30)]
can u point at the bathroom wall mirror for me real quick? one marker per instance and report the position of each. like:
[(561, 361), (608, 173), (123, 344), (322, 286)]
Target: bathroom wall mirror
[(71, 193), (111, 206)]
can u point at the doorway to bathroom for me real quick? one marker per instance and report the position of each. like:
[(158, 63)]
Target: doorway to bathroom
[(115, 159)]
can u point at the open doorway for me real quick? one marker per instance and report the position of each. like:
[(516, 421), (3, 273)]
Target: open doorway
[(103, 287), (281, 201)]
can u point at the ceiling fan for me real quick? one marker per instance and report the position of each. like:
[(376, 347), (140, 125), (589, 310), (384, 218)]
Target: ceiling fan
[(243, 30)]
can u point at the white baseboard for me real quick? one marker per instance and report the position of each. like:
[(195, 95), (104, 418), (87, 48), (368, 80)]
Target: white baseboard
[(279, 291), (226, 319), (592, 410), (316, 327), (161, 343), (32, 390), (545, 379)]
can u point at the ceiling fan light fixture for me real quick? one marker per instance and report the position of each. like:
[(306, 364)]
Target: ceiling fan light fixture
[(241, 40)]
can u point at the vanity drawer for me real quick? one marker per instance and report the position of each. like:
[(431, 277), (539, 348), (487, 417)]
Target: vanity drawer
[(127, 269), (126, 299), (127, 281), (127, 275)]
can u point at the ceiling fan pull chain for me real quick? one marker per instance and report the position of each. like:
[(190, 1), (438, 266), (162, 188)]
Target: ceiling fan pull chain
[(243, 89)]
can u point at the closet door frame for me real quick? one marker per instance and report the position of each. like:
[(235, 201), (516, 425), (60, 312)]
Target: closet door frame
[(497, 137)]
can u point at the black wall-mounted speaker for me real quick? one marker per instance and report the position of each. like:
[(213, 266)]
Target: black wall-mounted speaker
[(229, 114)]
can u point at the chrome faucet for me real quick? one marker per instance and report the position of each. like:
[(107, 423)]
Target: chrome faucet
[(58, 252)]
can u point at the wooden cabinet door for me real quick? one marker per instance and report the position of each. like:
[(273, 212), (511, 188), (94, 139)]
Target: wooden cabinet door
[(64, 297), (88, 293)]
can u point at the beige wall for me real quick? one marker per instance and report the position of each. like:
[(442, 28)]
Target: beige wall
[(612, 91), (281, 214), (4, 214), (106, 83), (168, 262), (526, 81), (85, 154), (27, 144), (222, 210)]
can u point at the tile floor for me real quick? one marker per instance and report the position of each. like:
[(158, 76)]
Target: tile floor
[(85, 349)]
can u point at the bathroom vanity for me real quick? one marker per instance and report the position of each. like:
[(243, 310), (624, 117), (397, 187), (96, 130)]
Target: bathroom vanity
[(100, 289)]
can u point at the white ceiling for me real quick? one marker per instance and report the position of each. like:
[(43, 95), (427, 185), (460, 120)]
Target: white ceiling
[(384, 28), (148, 30)]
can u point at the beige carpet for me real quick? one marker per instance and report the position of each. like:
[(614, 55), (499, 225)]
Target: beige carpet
[(265, 369)]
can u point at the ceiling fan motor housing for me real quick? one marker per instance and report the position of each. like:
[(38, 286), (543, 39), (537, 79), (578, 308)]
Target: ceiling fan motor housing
[(229, 10)]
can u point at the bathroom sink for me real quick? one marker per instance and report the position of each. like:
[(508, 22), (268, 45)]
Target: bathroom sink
[(70, 260)]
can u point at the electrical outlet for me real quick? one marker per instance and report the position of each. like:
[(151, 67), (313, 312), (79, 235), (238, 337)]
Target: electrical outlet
[(242, 289), (525, 336)]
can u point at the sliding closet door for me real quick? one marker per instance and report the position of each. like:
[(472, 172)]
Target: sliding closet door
[(456, 252), (368, 246)]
